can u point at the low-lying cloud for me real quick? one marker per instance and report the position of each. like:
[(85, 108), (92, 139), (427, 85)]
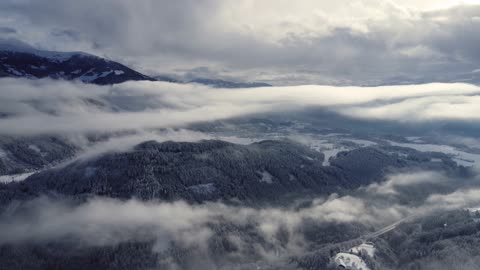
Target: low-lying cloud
[(126, 142), (272, 234), (50, 107), (394, 182), (105, 221)]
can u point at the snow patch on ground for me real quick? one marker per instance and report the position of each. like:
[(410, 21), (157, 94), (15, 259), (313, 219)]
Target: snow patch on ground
[(14, 71), (266, 177), (88, 76), (327, 148), (308, 158), (104, 74), (331, 153), (15, 177), (350, 261), (119, 72), (34, 148), (37, 149), (333, 143)]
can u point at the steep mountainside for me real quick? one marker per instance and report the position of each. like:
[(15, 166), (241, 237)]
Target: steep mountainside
[(21, 60)]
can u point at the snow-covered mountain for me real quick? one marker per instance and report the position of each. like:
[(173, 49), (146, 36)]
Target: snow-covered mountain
[(18, 59)]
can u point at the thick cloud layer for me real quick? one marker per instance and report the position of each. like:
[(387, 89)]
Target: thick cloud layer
[(341, 42), (50, 107)]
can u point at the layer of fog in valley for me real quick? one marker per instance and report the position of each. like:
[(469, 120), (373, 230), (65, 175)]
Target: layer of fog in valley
[(157, 175)]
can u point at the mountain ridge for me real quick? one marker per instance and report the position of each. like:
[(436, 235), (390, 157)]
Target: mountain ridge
[(20, 60)]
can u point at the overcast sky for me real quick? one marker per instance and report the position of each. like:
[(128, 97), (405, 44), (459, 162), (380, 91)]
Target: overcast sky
[(277, 41)]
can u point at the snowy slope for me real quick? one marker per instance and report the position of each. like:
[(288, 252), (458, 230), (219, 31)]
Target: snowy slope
[(21, 60), (350, 261)]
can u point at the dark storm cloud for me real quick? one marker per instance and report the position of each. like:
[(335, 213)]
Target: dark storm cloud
[(250, 40)]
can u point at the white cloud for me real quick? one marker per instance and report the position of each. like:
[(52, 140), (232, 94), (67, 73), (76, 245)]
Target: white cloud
[(431, 108), (105, 222), (456, 200), (389, 187), (51, 107), (125, 142)]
